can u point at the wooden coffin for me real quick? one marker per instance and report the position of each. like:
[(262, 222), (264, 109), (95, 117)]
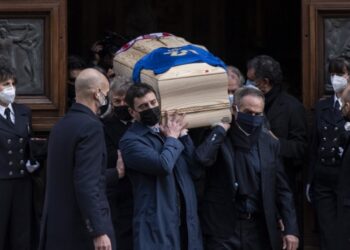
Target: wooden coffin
[(197, 89)]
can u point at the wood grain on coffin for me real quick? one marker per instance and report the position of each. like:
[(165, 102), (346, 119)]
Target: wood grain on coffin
[(197, 89)]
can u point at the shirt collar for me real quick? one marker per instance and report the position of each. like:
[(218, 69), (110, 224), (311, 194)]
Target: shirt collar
[(337, 99), (155, 128), (2, 109)]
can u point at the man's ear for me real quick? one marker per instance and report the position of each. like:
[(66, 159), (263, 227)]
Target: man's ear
[(267, 82), (132, 112), (95, 95), (234, 110)]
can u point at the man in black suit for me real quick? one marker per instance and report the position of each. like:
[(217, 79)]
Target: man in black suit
[(285, 114), (76, 211), (343, 225), (15, 182), (119, 189), (246, 186), (287, 121)]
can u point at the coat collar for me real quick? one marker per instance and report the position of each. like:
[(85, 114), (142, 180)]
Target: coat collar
[(327, 112), (264, 156), (78, 107), (140, 129), (276, 105)]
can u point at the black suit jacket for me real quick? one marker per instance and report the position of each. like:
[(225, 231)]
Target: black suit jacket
[(287, 119), (114, 129), (119, 192), (76, 208), (14, 140), (344, 198), (218, 208)]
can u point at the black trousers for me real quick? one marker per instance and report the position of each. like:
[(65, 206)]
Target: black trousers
[(15, 213), (122, 214), (249, 235), (324, 195)]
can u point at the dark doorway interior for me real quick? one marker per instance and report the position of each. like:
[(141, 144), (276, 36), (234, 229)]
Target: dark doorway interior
[(233, 30)]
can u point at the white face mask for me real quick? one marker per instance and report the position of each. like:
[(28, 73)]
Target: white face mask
[(338, 83), (231, 98), (7, 95), (102, 99)]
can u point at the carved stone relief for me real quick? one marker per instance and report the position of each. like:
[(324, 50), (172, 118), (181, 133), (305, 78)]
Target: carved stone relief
[(21, 41), (337, 42)]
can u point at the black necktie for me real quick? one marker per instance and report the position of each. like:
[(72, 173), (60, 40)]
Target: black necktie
[(336, 105), (8, 115)]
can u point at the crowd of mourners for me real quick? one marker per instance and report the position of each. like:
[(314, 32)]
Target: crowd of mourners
[(120, 175)]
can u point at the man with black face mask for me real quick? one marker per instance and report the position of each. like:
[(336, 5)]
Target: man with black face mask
[(343, 225), (246, 185), (119, 189), (76, 212), (158, 160)]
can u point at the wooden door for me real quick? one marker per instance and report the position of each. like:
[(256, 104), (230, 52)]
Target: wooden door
[(33, 37), (326, 32), (325, 35)]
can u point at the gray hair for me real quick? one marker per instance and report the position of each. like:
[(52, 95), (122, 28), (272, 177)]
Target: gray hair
[(245, 91), (237, 72), (119, 85)]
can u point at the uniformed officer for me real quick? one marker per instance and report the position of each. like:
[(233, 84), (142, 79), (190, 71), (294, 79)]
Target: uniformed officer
[(326, 152), (15, 182)]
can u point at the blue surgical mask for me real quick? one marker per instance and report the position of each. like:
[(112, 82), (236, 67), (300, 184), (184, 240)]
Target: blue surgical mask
[(250, 83), (249, 123)]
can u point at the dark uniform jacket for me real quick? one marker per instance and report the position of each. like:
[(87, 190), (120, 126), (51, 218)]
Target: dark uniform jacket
[(344, 198), (156, 166), (218, 215), (327, 129), (14, 139), (76, 208)]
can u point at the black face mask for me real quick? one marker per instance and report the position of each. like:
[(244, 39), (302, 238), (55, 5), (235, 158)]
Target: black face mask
[(150, 117), (249, 123), (122, 113)]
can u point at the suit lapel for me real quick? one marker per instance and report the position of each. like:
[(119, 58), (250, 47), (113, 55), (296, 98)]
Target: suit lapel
[(264, 157), (5, 125), (228, 156), (22, 126), (328, 113)]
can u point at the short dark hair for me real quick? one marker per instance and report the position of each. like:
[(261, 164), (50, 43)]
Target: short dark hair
[(137, 90), (247, 91), (6, 71), (266, 67), (339, 65), (76, 62)]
